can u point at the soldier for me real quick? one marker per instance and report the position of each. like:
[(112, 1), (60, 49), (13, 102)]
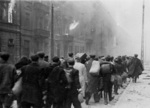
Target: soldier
[(7, 79)]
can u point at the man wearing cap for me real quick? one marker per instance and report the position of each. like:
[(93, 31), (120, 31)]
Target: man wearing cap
[(31, 84), (44, 68), (135, 68), (7, 79), (107, 79), (70, 55), (57, 82), (73, 87), (42, 63)]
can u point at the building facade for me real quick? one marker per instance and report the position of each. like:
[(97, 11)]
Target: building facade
[(28, 30)]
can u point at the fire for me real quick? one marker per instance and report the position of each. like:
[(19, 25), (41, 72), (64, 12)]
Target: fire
[(11, 7), (73, 25)]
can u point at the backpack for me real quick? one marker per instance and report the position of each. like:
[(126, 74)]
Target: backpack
[(106, 68), (68, 75), (95, 68)]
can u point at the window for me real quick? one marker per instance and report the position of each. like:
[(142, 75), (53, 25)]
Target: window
[(41, 23), (1, 12), (4, 12), (27, 20), (27, 48)]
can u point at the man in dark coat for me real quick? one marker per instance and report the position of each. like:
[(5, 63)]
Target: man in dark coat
[(43, 64), (135, 68), (57, 83), (73, 87), (107, 79), (92, 85), (119, 71), (22, 62), (7, 79), (31, 84)]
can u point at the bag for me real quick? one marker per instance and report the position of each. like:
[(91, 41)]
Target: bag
[(101, 84), (119, 80), (124, 75), (106, 68), (68, 75), (112, 78), (17, 87), (80, 97), (95, 68)]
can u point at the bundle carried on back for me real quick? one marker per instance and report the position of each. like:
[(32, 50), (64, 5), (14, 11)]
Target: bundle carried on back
[(95, 68), (106, 67)]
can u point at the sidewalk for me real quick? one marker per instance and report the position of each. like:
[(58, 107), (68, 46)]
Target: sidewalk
[(136, 95), (100, 104)]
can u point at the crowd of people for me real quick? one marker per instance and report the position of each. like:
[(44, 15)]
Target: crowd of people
[(62, 82)]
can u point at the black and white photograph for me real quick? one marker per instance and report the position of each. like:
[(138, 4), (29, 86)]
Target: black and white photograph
[(74, 53)]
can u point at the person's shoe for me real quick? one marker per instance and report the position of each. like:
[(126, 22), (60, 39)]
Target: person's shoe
[(111, 98), (105, 102), (116, 93), (87, 101)]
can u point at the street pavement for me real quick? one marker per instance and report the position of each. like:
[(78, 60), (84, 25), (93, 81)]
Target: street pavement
[(135, 95), (101, 102)]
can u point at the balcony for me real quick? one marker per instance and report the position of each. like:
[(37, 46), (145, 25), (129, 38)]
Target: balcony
[(41, 33), (10, 27)]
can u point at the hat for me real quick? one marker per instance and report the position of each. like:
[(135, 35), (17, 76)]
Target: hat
[(55, 59), (71, 61), (4, 56), (35, 57), (41, 54)]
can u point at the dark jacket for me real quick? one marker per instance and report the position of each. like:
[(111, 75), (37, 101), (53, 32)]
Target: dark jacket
[(31, 81), (135, 67), (119, 68), (74, 75), (107, 76), (57, 82), (7, 78)]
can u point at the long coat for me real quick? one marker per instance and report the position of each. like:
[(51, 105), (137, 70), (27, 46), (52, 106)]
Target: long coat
[(57, 82), (135, 67), (82, 75), (31, 84), (7, 78), (92, 80)]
